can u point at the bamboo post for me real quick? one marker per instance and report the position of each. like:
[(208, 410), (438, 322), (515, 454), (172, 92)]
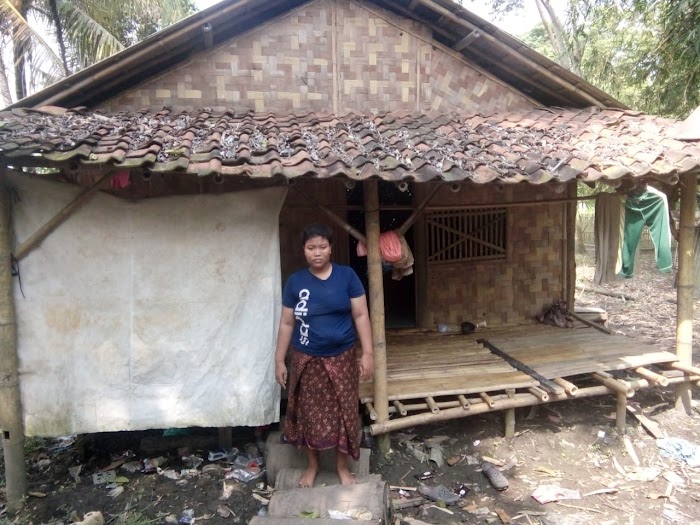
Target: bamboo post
[(510, 415), (570, 246), (621, 413), (652, 376), (568, 386), (11, 422), (684, 318), (376, 307), (37, 237)]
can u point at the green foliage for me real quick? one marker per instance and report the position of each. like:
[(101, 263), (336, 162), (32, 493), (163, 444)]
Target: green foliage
[(90, 30)]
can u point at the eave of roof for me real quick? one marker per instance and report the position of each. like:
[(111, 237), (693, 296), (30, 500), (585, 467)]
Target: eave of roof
[(535, 146), (494, 50)]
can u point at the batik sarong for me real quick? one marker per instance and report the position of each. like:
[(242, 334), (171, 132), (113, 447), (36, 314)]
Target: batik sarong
[(322, 403)]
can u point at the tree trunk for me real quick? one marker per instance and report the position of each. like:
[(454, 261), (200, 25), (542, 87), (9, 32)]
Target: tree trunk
[(10, 407), (58, 24), (18, 54), (5, 93)]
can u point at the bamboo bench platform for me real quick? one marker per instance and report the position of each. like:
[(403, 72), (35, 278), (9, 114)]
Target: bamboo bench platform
[(435, 376)]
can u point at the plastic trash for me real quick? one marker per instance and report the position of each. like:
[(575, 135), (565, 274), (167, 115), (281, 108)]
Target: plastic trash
[(187, 517), (245, 474), (680, 450), (548, 493)]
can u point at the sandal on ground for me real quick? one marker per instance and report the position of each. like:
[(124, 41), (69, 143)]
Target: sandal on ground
[(439, 493)]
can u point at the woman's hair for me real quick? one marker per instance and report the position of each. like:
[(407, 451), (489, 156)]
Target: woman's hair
[(317, 230)]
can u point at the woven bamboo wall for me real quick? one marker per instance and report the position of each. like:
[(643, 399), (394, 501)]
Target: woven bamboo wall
[(298, 212), (500, 292), (327, 56)]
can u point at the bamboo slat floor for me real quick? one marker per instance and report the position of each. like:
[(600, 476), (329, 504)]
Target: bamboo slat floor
[(433, 364), (423, 364), (560, 352)]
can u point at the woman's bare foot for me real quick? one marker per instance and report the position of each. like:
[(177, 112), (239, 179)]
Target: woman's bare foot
[(309, 476), (346, 477)]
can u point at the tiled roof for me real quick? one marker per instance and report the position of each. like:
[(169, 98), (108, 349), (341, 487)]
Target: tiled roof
[(537, 146)]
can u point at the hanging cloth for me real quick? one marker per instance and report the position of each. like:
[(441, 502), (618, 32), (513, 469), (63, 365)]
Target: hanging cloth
[(649, 209), (395, 251)]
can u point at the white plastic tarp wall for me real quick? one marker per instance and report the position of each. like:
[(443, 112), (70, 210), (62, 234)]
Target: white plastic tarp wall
[(160, 313)]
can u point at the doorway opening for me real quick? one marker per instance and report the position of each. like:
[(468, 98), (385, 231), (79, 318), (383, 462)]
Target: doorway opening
[(399, 296)]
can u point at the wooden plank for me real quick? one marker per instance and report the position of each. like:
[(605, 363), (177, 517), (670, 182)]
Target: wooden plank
[(546, 383)]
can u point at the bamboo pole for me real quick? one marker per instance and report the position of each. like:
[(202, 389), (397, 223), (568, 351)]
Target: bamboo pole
[(684, 318), (538, 393), (463, 401), (568, 386), (487, 399), (11, 422), (687, 369), (376, 307), (613, 384), (332, 216), (621, 413), (510, 415), (371, 411), (521, 400), (400, 408), (401, 230), (38, 236), (652, 376), (432, 405)]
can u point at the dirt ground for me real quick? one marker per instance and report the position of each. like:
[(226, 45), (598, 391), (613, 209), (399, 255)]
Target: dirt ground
[(572, 447)]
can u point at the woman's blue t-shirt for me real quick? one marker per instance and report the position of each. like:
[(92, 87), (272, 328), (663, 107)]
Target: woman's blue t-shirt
[(322, 312)]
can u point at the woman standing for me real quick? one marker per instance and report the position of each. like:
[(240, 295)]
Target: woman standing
[(322, 307)]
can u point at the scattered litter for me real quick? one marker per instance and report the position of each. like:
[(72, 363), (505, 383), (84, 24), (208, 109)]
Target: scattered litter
[(169, 473), (228, 488), (223, 453), (91, 518), (262, 500), (35, 494), (477, 442), (453, 460), (673, 514), (246, 474), (351, 514), (461, 490), (100, 478), (224, 511), (495, 476), (674, 478), (151, 464), (192, 460), (116, 491), (75, 472), (435, 455), (428, 474), (212, 469), (644, 474), (170, 519), (439, 493), (609, 490), (680, 450), (502, 515), (187, 517), (472, 460), (189, 473), (132, 466), (447, 511), (548, 493)]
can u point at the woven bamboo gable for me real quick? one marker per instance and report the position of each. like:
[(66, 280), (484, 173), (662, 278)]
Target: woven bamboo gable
[(328, 56)]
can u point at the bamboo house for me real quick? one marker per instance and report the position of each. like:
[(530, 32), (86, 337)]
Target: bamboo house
[(153, 202)]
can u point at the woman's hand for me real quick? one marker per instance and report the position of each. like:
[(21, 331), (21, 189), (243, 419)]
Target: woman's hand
[(281, 374), (366, 366)]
